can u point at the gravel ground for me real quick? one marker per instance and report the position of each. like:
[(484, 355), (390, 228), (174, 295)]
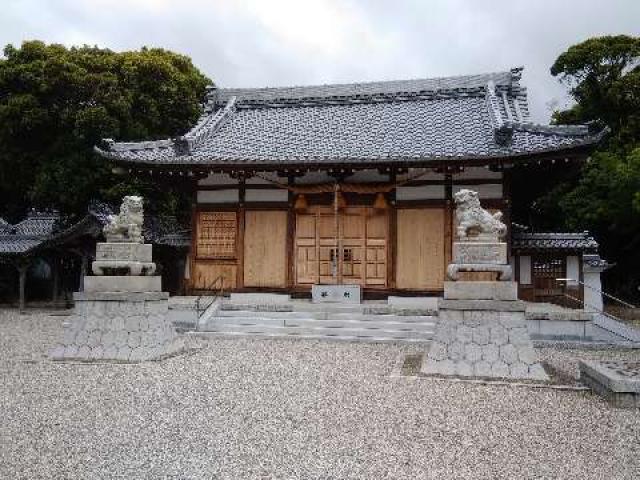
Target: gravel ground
[(246, 409)]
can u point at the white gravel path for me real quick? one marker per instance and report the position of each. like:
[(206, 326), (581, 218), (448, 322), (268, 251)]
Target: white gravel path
[(247, 409)]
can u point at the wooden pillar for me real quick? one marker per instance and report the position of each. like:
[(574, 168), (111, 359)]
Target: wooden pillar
[(507, 203), (393, 234), (84, 267), (55, 278), (22, 281), (240, 236), (448, 219), (291, 226)]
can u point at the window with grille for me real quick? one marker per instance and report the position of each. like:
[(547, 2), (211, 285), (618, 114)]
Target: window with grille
[(546, 269), (217, 235)]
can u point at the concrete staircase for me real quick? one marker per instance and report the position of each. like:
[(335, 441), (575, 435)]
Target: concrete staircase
[(357, 322)]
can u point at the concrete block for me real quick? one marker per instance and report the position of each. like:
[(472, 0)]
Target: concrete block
[(506, 291), (336, 294), (123, 283), (480, 252), (120, 297), (140, 252), (614, 375)]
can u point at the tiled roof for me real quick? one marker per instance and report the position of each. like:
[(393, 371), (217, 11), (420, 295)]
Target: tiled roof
[(40, 231), (469, 117), (28, 234), (166, 230), (554, 241)]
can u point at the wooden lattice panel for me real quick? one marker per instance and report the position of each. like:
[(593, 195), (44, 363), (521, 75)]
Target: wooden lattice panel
[(217, 234)]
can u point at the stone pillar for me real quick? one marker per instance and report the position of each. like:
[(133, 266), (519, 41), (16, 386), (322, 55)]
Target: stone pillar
[(592, 267)]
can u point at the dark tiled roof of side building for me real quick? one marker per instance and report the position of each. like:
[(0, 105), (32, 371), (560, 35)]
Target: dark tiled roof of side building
[(528, 241), (456, 118), (42, 230)]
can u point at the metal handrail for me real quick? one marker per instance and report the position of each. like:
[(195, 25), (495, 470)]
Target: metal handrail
[(217, 292), (622, 302)]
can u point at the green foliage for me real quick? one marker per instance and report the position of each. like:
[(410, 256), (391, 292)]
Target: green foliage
[(603, 75), (56, 103)]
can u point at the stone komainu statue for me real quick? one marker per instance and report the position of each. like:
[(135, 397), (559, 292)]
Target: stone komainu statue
[(127, 225), (474, 222)]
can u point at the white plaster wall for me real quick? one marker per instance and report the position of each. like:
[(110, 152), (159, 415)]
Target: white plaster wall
[(218, 196), (428, 175), (218, 179), (424, 192), (573, 270), (484, 191), (368, 176), (279, 195), (315, 177), (477, 172), (525, 270)]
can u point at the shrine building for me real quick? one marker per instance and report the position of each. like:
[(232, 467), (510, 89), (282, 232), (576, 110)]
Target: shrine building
[(351, 183)]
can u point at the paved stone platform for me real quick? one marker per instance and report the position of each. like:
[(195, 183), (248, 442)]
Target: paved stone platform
[(617, 381), (486, 339)]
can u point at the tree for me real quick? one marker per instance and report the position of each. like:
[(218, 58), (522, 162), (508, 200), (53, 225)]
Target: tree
[(603, 77), (56, 103)]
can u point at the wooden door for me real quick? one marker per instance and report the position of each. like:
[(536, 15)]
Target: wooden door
[(420, 248), (265, 244), (363, 241), (545, 271)]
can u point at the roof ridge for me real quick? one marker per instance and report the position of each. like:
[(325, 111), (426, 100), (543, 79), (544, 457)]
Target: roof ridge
[(512, 72), (508, 78)]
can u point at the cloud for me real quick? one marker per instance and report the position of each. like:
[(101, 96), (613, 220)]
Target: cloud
[(285, 42)]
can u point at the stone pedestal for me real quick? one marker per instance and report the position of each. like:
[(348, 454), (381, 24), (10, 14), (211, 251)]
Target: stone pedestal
[(116, 326), (483, 339), (122, 315), (507, 291), (482, 330)]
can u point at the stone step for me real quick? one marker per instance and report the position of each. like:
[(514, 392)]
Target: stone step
[(388, 324), (320, 331), (297, 335), (319, 315)]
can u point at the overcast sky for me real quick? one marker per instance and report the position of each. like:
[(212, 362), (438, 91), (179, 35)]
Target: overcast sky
[(255, 43)]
